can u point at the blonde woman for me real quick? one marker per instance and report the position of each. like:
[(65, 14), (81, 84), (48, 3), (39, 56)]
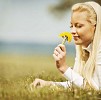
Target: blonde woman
[(86, 31)]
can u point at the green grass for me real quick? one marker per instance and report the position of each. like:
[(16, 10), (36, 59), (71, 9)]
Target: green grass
[(18, 71)]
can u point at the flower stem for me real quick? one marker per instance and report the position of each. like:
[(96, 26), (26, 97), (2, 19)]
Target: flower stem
[(64, 40)]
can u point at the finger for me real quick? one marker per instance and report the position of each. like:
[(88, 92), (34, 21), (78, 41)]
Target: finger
[(56, 53), (55, 57), (36, 83), (60, 56), (63, 48), (58, 49)]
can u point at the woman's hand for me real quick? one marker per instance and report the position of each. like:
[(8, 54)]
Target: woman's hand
[(40, 83), (60, 57)]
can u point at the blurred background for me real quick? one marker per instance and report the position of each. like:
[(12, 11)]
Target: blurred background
[(29, 32), (32, 26)]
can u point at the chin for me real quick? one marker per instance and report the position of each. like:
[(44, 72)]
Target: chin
[(77, 43)]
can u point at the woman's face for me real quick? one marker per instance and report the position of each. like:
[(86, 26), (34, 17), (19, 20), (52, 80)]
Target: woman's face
[(81, 29)]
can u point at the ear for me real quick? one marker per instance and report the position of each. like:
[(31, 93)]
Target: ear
[(94, 27)]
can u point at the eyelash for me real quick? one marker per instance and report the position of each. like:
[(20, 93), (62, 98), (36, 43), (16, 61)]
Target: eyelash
[(71, 26), (78, 26)]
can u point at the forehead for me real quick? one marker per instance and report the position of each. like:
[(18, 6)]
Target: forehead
[(79, 17)]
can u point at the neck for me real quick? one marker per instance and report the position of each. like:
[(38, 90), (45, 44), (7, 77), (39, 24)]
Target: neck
[(86, 45)]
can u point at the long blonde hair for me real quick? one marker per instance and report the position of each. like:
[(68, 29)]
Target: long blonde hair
[(86, 69)]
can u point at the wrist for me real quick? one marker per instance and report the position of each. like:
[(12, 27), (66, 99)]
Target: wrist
[(63, 69), (49, 83)]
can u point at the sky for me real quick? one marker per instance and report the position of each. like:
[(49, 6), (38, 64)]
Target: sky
[(31, 21)]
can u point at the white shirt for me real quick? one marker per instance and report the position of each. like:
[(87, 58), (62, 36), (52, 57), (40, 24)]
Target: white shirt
[(74, 78)]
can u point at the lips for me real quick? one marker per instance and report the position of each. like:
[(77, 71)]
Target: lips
[(75, 37)]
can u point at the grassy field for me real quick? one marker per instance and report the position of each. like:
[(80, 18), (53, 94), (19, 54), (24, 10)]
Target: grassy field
[(18, 71)]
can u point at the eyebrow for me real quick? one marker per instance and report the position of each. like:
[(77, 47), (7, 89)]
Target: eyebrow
[(75, 23)]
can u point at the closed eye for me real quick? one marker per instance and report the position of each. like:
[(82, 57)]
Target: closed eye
[(79, 25), (71, 26)]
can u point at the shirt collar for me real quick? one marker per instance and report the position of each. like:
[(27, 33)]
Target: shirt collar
[(89, 48)]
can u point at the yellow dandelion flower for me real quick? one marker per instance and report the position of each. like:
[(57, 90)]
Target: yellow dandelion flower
[(66, 36)]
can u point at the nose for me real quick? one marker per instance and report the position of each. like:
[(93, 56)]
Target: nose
[(73, 30)]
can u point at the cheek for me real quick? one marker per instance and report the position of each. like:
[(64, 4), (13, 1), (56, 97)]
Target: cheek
[(87, 35), (90, 32), (86, 32), (82, 32)]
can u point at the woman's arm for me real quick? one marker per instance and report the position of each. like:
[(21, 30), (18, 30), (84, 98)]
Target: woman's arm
[(74, 77), (70, 74), (41, 83)]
